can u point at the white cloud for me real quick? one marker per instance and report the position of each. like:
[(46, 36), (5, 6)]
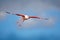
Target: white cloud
[(2, 15)]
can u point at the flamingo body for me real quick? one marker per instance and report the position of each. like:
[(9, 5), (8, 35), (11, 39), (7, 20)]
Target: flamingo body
[(26, 17)]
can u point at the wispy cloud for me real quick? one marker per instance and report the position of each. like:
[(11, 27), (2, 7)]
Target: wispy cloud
[(2, 14), (34, 7)]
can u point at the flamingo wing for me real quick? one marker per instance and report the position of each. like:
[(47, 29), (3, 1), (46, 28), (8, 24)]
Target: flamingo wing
[(8, 12), (15, 14), (38, 17), (34, 17), (20, 15)]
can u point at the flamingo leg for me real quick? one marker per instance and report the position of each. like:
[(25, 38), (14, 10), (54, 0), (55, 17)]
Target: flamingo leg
[(20, 22)]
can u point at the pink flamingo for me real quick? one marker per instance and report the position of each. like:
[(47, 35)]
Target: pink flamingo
[(26, 17)]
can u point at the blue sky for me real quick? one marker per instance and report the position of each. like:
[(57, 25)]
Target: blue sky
[(33, 31)]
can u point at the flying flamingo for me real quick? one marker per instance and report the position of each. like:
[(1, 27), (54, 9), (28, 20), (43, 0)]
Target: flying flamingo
[(26, 17)]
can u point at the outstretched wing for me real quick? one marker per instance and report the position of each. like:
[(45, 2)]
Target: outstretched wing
[(34, 17), (15, 14), (10, 13), (20, 15), (38, 17)]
